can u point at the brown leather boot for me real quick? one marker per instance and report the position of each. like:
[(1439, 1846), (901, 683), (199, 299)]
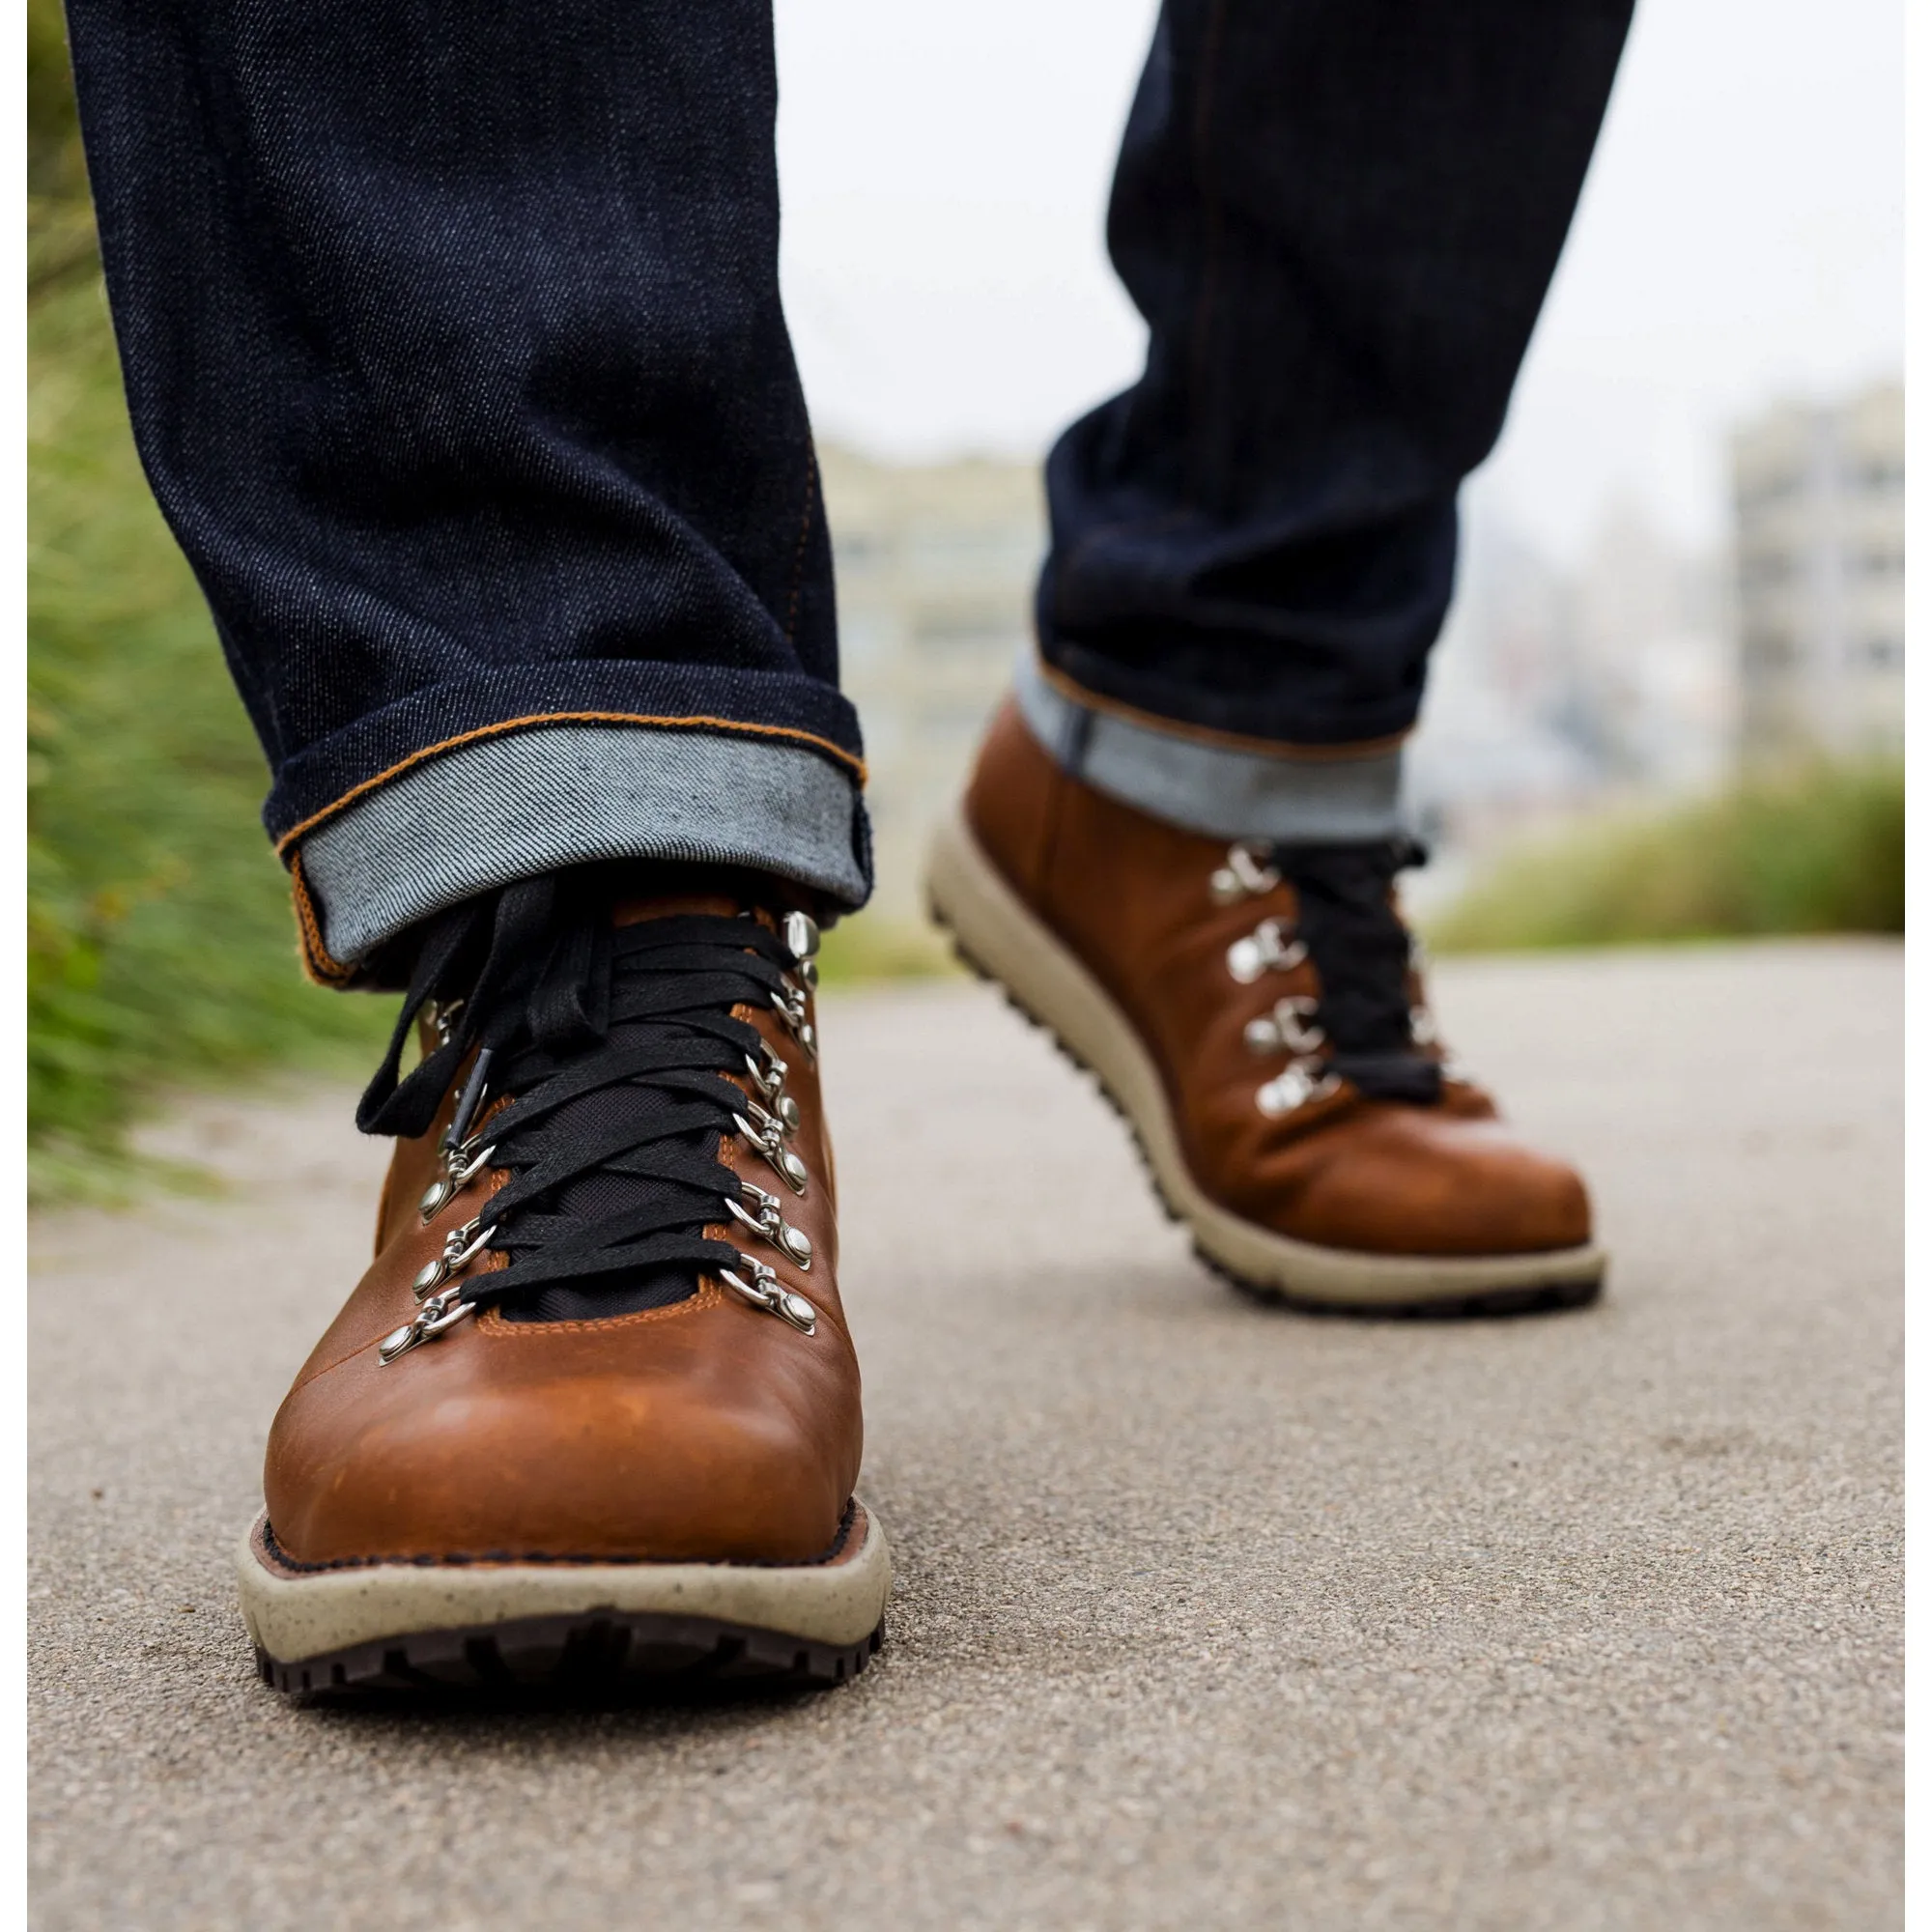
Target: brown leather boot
[(593, 1412), (1255, 1014)]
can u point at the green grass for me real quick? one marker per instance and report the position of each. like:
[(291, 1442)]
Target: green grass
[(162, 949), (865, 947), (1819, 848)]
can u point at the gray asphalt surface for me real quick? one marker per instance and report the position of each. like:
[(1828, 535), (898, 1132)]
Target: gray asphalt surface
[(1210, 1614)]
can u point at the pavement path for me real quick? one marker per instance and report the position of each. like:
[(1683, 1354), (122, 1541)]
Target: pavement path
[(1210, 1614)]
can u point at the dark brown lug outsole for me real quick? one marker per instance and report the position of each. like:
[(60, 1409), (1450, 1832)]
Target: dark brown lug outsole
[(1488, 1304), (596, 1655)]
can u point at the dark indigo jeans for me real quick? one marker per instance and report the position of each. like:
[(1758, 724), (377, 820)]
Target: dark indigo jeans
[(454, 352)]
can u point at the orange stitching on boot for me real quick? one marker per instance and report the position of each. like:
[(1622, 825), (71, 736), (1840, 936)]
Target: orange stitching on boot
[(537, 719), (491, 1321)]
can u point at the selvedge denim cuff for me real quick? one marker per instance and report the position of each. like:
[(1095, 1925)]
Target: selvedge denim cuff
[(1206, 784), (508, 807)]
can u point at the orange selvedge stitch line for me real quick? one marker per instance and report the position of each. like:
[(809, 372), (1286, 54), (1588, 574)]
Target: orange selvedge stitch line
[(699, 723)]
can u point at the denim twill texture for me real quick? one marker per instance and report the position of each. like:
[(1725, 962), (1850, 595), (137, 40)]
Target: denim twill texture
[(1217, 789), (532, 802), (1339, 218), (454, 350)]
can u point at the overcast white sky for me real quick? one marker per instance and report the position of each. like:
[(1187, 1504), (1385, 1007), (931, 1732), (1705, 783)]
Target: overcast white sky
[(945, 169)]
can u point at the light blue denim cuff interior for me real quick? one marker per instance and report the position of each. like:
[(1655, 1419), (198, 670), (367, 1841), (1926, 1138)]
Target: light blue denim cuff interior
[(1210, 788), (509, 807)]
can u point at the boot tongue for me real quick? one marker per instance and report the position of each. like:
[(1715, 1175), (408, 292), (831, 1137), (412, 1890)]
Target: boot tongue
[(634, 911)]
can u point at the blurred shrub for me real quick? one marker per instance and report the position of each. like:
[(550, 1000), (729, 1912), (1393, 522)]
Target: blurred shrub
[(160, 945), (1820, 848), (865, 947)]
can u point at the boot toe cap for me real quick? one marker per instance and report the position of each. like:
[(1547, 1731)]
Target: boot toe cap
[(1413, 1182)]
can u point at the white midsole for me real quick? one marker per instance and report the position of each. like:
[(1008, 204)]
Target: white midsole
[(296, 1617), (1008, 939)]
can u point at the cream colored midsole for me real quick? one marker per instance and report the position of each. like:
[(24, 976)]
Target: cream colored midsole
[(1003, 935), (296, 1617)]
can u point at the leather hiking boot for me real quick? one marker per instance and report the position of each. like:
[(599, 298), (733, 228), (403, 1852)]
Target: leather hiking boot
[(1255, 1014), (593, 1412)]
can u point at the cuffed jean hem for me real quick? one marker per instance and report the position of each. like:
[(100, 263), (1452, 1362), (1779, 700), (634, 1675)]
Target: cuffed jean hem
[(316, 783), (509, 807), (1224, 791)]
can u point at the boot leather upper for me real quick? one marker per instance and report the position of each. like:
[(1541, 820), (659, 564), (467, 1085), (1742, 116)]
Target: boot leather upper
[(708, 1430), (1129, 895)]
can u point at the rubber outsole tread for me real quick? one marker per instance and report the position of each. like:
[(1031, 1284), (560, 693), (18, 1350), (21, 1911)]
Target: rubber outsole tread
[(1483, 1304), (601, 1657)]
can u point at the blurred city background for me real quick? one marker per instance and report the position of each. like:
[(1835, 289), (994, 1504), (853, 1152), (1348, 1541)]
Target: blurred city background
[(1668, 703)]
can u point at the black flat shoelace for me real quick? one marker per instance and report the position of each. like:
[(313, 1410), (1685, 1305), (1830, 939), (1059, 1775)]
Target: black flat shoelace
[(613, 1041), (1361, 947)]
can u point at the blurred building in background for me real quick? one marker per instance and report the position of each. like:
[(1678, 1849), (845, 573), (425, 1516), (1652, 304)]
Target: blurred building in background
[(1819, 497), (935, 569), (1640, 671), (1557, 690)]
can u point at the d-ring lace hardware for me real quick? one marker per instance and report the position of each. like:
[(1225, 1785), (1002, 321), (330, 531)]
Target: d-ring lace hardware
[(1287, 1028), (460, 1247), (766, 1291), (438, 1315), (462, 1163), (1271, 947), (794, 1005), (771, 1084), (442, 1016), (800, 932), (770, 1223), (1292, 1089), (1247, 874), (767, 1137), (769, 1072)]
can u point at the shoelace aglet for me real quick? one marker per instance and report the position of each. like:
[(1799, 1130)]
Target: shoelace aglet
[(470, 1099)]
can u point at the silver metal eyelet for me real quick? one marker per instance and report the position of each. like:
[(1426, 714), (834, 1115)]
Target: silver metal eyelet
[(460, 1247), (1422, 1027), (767, 1137), (800, 932), (770, 1223), (1287, 1028), (1271, 947), (1246, 874), (438, 1315), (769, 1074), (461, 1165), (764, 1289), (794, 1005), (1295, 1089)]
